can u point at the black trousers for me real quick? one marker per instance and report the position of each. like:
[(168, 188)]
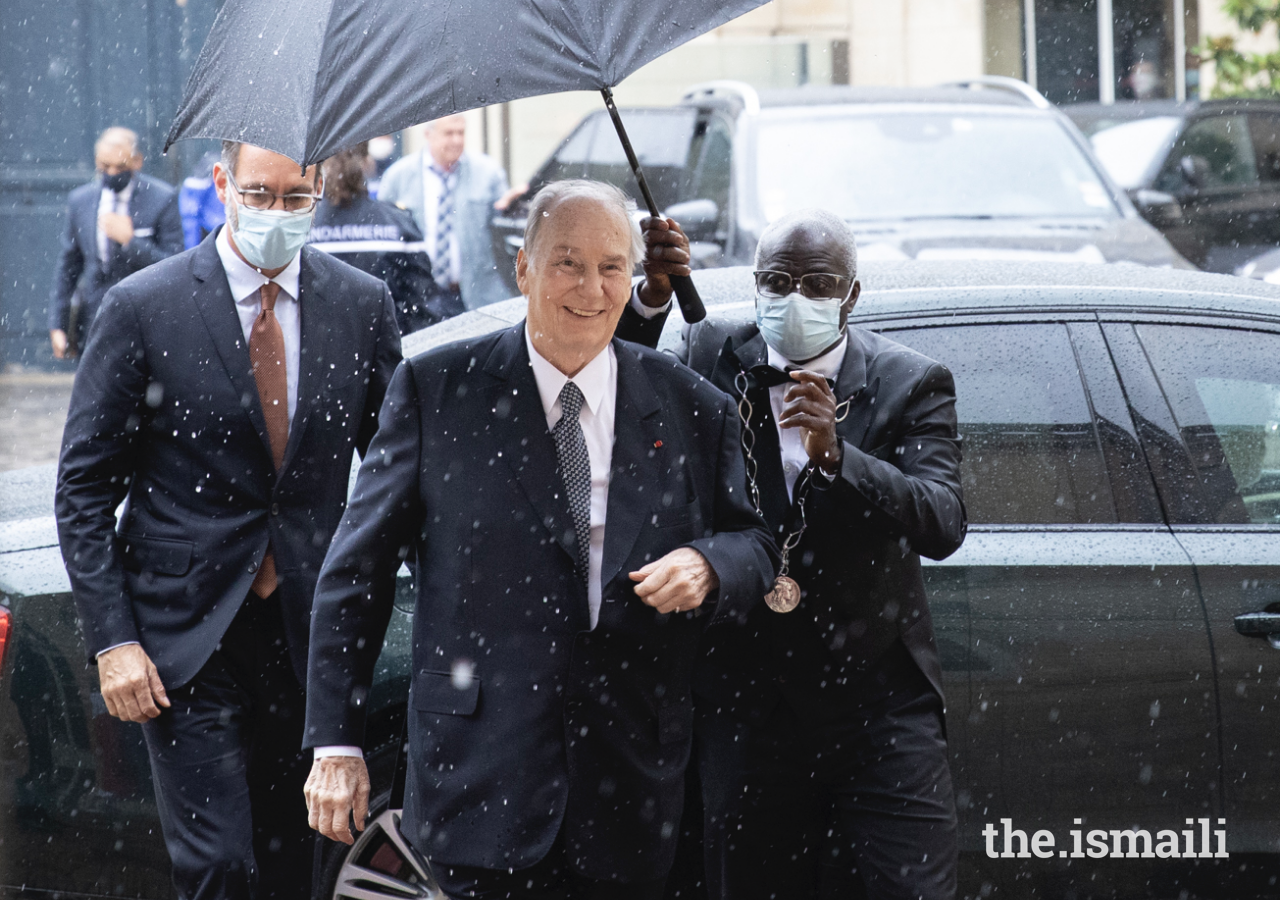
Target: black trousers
[(228, 768), (852, 803), (551, 878)]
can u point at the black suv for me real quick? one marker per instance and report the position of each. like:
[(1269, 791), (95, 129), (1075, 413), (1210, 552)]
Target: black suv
[(1207, 174), (986, 169), (1108, 631)]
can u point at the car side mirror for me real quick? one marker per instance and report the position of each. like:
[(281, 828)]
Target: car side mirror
[(698, 218), (1156, 206), (1195, 171)]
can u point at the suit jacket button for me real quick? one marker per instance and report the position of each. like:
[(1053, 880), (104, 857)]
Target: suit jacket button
[(253, 568), (275, 509)]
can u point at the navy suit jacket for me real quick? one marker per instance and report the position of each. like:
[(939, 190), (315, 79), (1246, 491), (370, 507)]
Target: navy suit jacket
[(165, 415), (522, 720), (157, 226), (897, 496)]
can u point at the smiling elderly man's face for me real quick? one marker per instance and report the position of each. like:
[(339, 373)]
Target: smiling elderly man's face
[(577, 279)]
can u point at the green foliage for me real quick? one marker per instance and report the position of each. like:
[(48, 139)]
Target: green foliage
[(1240, 74)]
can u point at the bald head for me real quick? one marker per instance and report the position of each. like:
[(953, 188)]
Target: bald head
[(116, 151), (818, 232)]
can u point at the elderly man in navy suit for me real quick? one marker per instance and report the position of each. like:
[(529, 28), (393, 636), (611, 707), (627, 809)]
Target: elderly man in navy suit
[(575, 507), (117, 224), (221, 395)]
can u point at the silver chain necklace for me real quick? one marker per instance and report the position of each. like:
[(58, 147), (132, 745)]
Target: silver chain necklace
[(785, 595)]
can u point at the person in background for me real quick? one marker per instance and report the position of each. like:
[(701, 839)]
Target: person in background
[(383, 152), (379, 239), (117, 224), (198, 202), (452, 195)]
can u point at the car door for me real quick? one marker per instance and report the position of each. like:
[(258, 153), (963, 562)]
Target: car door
[(1209, 394), (1077, 667), (1213, 173)]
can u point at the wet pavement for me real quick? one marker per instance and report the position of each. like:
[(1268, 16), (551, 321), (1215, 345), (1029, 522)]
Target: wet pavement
[(33, 409)]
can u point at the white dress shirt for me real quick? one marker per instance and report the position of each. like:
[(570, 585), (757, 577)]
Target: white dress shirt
[(432, 187), (111, 202), (598, 381), (790, 441), (244, 281)]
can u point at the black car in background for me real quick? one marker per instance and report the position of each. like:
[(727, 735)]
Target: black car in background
[(983, 170), (1108, 631), (1206, 173)]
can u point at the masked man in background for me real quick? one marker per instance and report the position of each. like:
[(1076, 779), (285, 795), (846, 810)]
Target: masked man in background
[(221, 395)]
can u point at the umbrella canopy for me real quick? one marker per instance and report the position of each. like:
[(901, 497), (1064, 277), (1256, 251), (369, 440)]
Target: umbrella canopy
[(307, 78)]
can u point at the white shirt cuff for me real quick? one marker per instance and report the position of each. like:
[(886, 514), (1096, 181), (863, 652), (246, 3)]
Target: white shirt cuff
[(647, 312), (98, 655), (338, 750)]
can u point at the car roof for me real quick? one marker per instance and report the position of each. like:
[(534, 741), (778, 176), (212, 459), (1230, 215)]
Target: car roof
[(829, 95), (1142, 109), (914, 288)]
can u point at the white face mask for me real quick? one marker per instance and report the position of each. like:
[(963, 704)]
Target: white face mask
[(269, 238), (797, 327)]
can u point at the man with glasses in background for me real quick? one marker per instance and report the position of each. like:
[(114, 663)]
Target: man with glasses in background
[(820, 733), (221, 395)]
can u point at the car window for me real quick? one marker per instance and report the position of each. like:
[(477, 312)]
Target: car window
[(1223, 386), (711, 177), (660, 138), (1129, 151), (1221, 150), (1265, 131), (1031, 453), (924, 164)]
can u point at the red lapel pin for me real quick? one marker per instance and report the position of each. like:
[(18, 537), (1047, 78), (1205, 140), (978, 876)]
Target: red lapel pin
[(657, 444)]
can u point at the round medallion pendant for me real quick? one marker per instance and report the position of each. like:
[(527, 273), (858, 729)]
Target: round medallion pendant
[(785, 595)]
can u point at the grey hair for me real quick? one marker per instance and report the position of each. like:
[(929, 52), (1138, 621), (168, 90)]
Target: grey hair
[(571, 189), (819, 220), (230, 155)]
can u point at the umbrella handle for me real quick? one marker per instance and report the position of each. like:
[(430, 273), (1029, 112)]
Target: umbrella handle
[(686, 291)]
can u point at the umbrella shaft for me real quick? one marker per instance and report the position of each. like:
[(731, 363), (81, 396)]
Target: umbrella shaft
[(631, 154)]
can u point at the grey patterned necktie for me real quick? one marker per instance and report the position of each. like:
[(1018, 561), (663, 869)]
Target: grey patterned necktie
[(575, 469)]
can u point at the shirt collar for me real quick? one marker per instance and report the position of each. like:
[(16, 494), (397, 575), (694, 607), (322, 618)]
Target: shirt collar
[(827, 365), (244, 280), (592, 379)]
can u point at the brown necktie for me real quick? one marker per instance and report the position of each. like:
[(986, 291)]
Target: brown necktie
[(266, 354)]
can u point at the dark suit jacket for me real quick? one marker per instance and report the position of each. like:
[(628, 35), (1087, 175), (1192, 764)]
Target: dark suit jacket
[(165, 412), (157, 235), (897, 495), (523, 720)]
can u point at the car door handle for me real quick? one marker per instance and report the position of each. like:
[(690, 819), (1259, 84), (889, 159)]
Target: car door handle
[(1260, 624)]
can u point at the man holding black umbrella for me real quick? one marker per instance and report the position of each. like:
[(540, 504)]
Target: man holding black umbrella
[(820, 726)]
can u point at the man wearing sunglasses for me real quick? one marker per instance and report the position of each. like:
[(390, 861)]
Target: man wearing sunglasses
[(820, 731), (220, 397)]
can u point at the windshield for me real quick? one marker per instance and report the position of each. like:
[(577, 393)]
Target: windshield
[(1129, 150), (924, 164)]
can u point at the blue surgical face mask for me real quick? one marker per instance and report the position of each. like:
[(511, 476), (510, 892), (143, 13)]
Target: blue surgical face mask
[(797, 327), (270, 238)]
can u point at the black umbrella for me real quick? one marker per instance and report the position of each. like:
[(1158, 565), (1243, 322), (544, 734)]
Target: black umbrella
[(307, 78)]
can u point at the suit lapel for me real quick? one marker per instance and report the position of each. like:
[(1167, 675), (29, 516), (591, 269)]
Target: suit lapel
[(636, 465), (526, 442), (852, 387), (218, 309), (313, 346)]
